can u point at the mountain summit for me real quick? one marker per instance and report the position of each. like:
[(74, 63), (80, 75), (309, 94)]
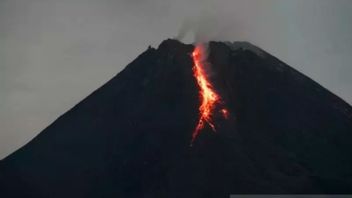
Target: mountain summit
[(131, 138)]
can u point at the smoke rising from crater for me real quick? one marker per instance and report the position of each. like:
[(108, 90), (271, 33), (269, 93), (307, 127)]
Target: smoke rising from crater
[(206, 26)]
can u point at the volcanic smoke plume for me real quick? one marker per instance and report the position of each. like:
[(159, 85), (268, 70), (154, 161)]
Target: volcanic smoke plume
[(130, 138)]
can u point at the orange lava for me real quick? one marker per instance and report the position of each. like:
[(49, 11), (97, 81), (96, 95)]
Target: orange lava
[(209, 98)]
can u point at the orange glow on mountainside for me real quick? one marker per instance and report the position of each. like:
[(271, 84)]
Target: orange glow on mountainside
[(209, 98)]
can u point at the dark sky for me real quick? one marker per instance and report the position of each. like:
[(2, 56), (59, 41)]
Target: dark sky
[(55, 52)]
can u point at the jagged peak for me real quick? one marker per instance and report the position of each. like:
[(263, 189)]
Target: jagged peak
[(245, 45), (234, 45)]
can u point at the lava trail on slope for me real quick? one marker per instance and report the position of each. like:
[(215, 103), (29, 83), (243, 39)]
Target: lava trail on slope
[(210, 99)]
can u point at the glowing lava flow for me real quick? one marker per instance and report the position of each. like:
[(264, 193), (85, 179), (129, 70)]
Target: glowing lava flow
[(209, 98)]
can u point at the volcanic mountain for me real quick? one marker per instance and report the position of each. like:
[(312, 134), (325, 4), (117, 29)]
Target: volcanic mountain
[(131, 138)]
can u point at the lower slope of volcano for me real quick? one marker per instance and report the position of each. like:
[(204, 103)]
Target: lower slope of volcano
[(130, 138)]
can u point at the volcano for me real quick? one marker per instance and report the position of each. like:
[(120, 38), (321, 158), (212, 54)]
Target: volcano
[(284, 133)]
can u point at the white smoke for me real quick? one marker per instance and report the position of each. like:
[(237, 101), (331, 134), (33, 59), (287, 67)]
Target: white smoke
[(203, 28)]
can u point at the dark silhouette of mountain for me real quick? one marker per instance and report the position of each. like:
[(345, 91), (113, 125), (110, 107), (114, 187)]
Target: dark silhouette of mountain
[(131, 137)]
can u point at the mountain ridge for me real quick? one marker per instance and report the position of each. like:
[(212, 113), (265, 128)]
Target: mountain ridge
[(130, 137)]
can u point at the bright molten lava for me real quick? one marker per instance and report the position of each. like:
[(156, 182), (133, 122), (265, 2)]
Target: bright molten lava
[(209, 98)]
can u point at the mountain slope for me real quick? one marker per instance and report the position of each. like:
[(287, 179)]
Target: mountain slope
[(131, 137)]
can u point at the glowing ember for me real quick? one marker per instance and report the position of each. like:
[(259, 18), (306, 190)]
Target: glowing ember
[(209, 98), (225, 113)]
